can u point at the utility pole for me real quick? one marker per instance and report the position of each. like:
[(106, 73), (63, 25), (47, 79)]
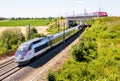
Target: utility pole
[(29, 32), (84, 11), (85, 15), (99, 11), (73, 17), (64, 34), (67, 22), (74, 14), (58, 24)]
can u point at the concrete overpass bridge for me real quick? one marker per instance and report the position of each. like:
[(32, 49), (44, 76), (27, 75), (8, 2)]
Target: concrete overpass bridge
[(71, 20)]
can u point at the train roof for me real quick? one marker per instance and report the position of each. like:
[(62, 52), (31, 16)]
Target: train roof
[(32, 40)]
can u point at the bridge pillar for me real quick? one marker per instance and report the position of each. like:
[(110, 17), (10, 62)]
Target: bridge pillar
[(70, 22), (67, 23)]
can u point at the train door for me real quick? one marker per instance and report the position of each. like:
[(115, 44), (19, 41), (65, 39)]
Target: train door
[(50, 41), (31, 51)]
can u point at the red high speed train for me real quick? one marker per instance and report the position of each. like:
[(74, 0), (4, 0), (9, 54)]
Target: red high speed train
[(100, 14)]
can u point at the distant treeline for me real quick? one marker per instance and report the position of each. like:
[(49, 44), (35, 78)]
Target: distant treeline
[(28, 18)]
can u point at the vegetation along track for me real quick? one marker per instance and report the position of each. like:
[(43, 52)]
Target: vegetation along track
[(8, 68)]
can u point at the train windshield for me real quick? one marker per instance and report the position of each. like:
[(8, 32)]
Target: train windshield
[(23, 48)]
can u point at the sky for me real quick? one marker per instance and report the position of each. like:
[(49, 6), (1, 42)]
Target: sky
[(56, 8)]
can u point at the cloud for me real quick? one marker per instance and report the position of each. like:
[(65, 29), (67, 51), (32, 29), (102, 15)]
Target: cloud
[(79, 1)]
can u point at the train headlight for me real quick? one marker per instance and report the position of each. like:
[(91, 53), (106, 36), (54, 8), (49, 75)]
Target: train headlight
[(19, 57)]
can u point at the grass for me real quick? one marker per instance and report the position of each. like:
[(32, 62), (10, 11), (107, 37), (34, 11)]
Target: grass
[(96, 57), (33, 22)]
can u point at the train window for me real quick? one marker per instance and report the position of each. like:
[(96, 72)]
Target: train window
[(37, 41), (41, 47), (30, 47)]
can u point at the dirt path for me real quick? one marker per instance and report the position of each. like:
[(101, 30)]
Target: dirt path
[(40, 29), (40, 74)]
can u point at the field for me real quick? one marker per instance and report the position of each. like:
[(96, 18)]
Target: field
[(33, 22), (97, 55), (39, 24), (40, 29)]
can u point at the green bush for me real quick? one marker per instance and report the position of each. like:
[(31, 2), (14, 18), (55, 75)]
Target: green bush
[(96, 57), (33, 33), (85, 50), (3, 50), (51, 76), (9, 39), (55, 28)]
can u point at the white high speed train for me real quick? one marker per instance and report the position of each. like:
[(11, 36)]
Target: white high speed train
[(32, 48)]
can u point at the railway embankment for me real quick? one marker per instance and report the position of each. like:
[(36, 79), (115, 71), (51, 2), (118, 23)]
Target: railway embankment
[(96, 56)]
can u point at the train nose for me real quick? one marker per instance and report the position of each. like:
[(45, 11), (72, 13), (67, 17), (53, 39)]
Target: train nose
[(19, 57)]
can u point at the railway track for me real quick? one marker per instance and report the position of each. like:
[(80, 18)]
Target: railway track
[(8, 68), (6, 63)]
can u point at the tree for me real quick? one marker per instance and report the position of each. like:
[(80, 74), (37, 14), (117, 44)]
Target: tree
[(33, 33), (11, 37)]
